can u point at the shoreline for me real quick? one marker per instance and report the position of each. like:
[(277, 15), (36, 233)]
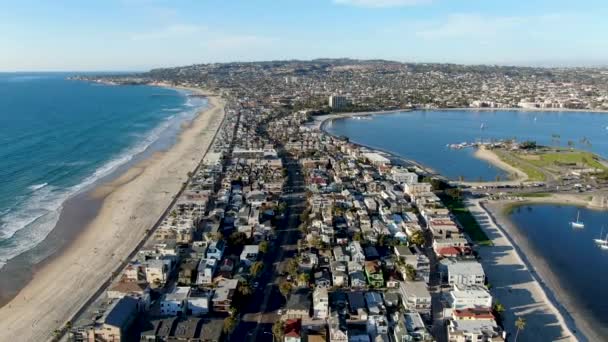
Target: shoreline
[(129, 206), (517, 284), (322, 127), (516, 176), (82, 206), (561, 301)]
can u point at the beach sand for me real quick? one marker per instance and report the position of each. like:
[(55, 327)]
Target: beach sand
[(522, 281), (131, 205), (516, 175)]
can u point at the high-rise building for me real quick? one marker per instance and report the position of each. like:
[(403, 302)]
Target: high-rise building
[(337, 102)]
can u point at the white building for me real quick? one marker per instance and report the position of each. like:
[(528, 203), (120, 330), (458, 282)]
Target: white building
[(376, 158), (320, 303), (206, 269), (482, 330), (175, 302), (157, 271), (198, 305), (216, 250), (249, 254), (470, 297), (403, 176), (415, 296), (466, 273)]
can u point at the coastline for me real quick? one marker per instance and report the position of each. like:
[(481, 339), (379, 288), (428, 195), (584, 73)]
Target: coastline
[(516, 176), (519, 281), (128, 207), (577, 322)]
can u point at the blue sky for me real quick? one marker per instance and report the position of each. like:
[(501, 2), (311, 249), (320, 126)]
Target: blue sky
[(142, 34)]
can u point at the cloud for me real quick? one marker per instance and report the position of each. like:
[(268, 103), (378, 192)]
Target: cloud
[(171, 31), (483, 26), (381, 3)]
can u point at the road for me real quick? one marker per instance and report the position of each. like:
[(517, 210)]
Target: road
[(258, 316)]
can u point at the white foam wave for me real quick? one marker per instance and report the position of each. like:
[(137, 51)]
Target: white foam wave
[(22, 228), (37, 186)]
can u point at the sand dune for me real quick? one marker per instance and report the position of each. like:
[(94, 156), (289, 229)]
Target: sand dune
[(132, 204)]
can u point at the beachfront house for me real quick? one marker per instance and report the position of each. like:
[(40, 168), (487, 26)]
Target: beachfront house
[(468, 272), (115, 322)]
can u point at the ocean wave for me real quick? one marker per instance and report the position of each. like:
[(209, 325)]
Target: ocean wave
[(25, 226), (172, 110), (37, 186)]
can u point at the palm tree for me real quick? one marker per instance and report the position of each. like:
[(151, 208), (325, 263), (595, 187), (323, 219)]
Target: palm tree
[(520, 324)]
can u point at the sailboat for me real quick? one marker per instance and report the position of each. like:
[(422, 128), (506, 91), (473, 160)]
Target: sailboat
[(577, 223), (601, 241)]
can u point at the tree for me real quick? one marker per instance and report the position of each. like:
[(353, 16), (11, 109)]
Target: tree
[(278, 330), (285, 288), (264, 246), (410, 272), (520, 324), (245, 289), (256, 268), (303, 278), (292, 267), (229, 324), (417, 238), (237, 239), (455, 193), (499, 308)]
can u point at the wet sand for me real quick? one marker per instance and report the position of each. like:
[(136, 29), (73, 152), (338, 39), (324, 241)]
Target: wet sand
[(118, 215)]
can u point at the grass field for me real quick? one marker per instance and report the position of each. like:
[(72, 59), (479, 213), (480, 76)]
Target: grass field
[(580, 158), (466, 219), (530, 170), (534, 194)]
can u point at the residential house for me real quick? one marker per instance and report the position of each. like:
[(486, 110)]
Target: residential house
[(115, 322), (292, 331), (469, 297), (415, 296), (222, 297), (250, 254), (320, 303), (466, 273), (299, 304), (373, 273), (174, 303)]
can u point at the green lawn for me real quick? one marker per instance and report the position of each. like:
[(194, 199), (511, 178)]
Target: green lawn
[(534, 194), (466, 219), (532, 172), (567, 157)]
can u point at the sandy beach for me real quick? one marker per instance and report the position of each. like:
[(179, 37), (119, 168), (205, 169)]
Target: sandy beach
[(516, 175), (522, 281), (131, 205), (515, 284)]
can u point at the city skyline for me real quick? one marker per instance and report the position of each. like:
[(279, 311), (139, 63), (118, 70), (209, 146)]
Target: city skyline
[(134, 35)]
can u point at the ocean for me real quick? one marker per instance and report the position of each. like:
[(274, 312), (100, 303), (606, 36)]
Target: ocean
[(60, 137), (424, 135), (571, 253)]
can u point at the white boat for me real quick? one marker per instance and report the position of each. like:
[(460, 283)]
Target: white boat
[(578, 223), (604, 246), (601, 241)]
